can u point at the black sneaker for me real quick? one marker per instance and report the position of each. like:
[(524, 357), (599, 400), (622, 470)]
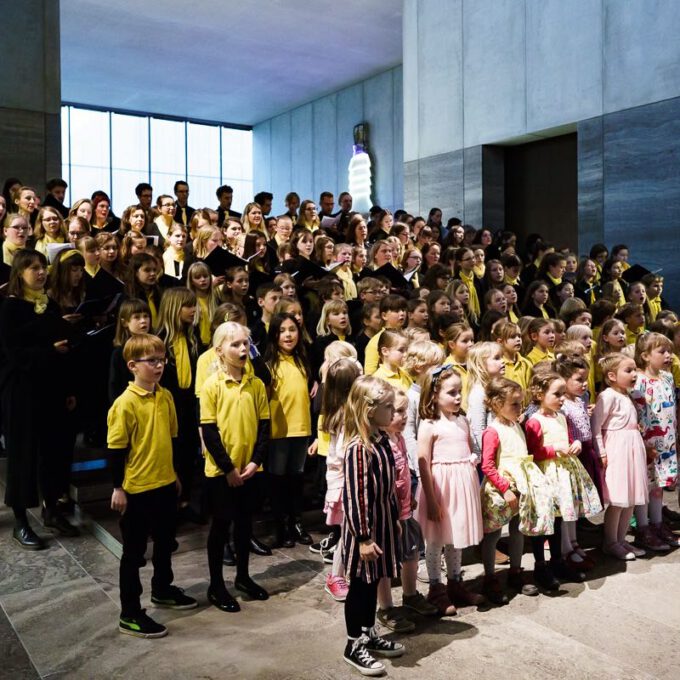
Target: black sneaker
[(142, 626), (329, 554), (358, 656), (174, 598), (382, 647), (324, 544)]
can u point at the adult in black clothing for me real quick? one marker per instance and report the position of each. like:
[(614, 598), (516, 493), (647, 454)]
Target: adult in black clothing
[(184, 211), (54, 198), (225, 195), (35, 394), (382, 226)]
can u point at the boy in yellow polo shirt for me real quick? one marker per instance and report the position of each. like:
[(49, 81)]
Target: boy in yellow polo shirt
[(235, 428), (142, 427)]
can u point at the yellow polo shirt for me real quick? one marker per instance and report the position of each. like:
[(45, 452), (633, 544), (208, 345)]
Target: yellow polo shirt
[(371, 354), (145, 422), (289, 403), (208, 364), (463, 373), (519, 371), (632, 335), (236, 408), (537, 355), (399, 379)]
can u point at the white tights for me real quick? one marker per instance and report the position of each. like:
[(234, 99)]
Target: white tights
[(652, 511), (433, 556)]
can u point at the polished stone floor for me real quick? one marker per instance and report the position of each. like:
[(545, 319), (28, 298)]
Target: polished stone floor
[(59, 612)]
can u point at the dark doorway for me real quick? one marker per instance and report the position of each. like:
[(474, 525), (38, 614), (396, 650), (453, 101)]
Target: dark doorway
[(541, 190)]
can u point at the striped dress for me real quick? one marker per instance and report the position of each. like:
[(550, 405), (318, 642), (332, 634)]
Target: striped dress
[(370, 506)]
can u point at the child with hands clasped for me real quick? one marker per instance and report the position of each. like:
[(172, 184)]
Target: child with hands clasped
[(235, 429), (371, 519), (141, 440), (411, 535), (575, 494), (654, 399), (622, 451), (449, 509)]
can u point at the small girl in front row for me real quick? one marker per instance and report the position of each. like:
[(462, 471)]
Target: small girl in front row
[(337, 382), (654, 399), (575, 494), (449, 510), (514, 490), (623, 454), (370, 519), (235, 428), (411, 538), (391, 348)]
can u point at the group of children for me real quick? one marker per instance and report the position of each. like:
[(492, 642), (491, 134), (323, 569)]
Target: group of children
[(446, 418)]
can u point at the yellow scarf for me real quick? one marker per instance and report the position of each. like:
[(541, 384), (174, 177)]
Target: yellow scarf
[(553, 279), (544, 312), (654, 307), (469, 281), (479, 270), (38, 298), (349, 287), (182, 363), (92, 270), (9, 250), (512, 316), (512, 282), (204, 320), (153, 309)]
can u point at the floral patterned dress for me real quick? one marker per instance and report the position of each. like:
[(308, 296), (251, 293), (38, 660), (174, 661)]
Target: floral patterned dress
[(654, 400)]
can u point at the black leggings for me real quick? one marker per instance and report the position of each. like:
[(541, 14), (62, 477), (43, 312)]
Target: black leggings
[(554, 542), (360, 605)]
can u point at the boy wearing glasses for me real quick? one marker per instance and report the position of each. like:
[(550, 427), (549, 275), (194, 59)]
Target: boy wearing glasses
[(142, 426)]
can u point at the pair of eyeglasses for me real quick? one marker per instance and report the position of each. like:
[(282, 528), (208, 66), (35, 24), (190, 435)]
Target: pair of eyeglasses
[(153, 361)]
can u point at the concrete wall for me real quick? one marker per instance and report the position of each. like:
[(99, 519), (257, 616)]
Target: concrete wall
[(30, 95), (309, 148), (480, 75)]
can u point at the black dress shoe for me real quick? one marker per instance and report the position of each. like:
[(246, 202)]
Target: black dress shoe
[(300, 535), (250, 588), (229, 558), (258, 548), (282, 538), (544, 578), (224, 601), (55, 520), (567, 572), (27, 538)]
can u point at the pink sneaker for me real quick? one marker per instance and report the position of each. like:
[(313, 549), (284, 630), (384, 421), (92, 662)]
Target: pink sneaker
[(336, 587)]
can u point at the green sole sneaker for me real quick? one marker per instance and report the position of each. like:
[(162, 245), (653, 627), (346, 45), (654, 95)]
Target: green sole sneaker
[(142, 627)]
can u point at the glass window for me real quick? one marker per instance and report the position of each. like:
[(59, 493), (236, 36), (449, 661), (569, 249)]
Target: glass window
[(203, 164), (129, 158), (65, 152), (237, 165), (168, 155), (90, 158)]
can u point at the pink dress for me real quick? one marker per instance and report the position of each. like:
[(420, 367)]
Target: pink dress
[(617, 436), (456, 485)]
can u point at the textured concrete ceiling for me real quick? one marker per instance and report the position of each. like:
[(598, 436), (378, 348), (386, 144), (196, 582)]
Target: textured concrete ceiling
[(222, 60)]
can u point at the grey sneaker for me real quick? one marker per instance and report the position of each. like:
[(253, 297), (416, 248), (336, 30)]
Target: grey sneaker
[(393, 619), (419, 604)]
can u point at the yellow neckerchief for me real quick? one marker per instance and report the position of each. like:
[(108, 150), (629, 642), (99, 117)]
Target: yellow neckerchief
[(633, 335), (625, 265), (553, 279), (92, 270), (619, 293), (50, 239), (654, 307), (544, 312), (469, 281), (591, 285), (8, 252), (479, 270), (350, 288), (38, 298), (204, 319), (182, 362), (598, 276), (152, 308), (512, 316), (512, 282)]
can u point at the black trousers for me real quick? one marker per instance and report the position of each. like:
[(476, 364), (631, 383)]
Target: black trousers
[(360, 605), (149, 514)]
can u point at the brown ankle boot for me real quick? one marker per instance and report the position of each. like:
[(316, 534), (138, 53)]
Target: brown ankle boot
[(438, 597), (461, 596)]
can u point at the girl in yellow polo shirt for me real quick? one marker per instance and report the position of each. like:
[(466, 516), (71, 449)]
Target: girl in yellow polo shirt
[(291, 419), (392, 346), (517, 367), (235, 428), (540, 336)]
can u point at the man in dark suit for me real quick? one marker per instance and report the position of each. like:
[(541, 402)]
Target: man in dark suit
[(183, 210), (56, 190), (225, 195)]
